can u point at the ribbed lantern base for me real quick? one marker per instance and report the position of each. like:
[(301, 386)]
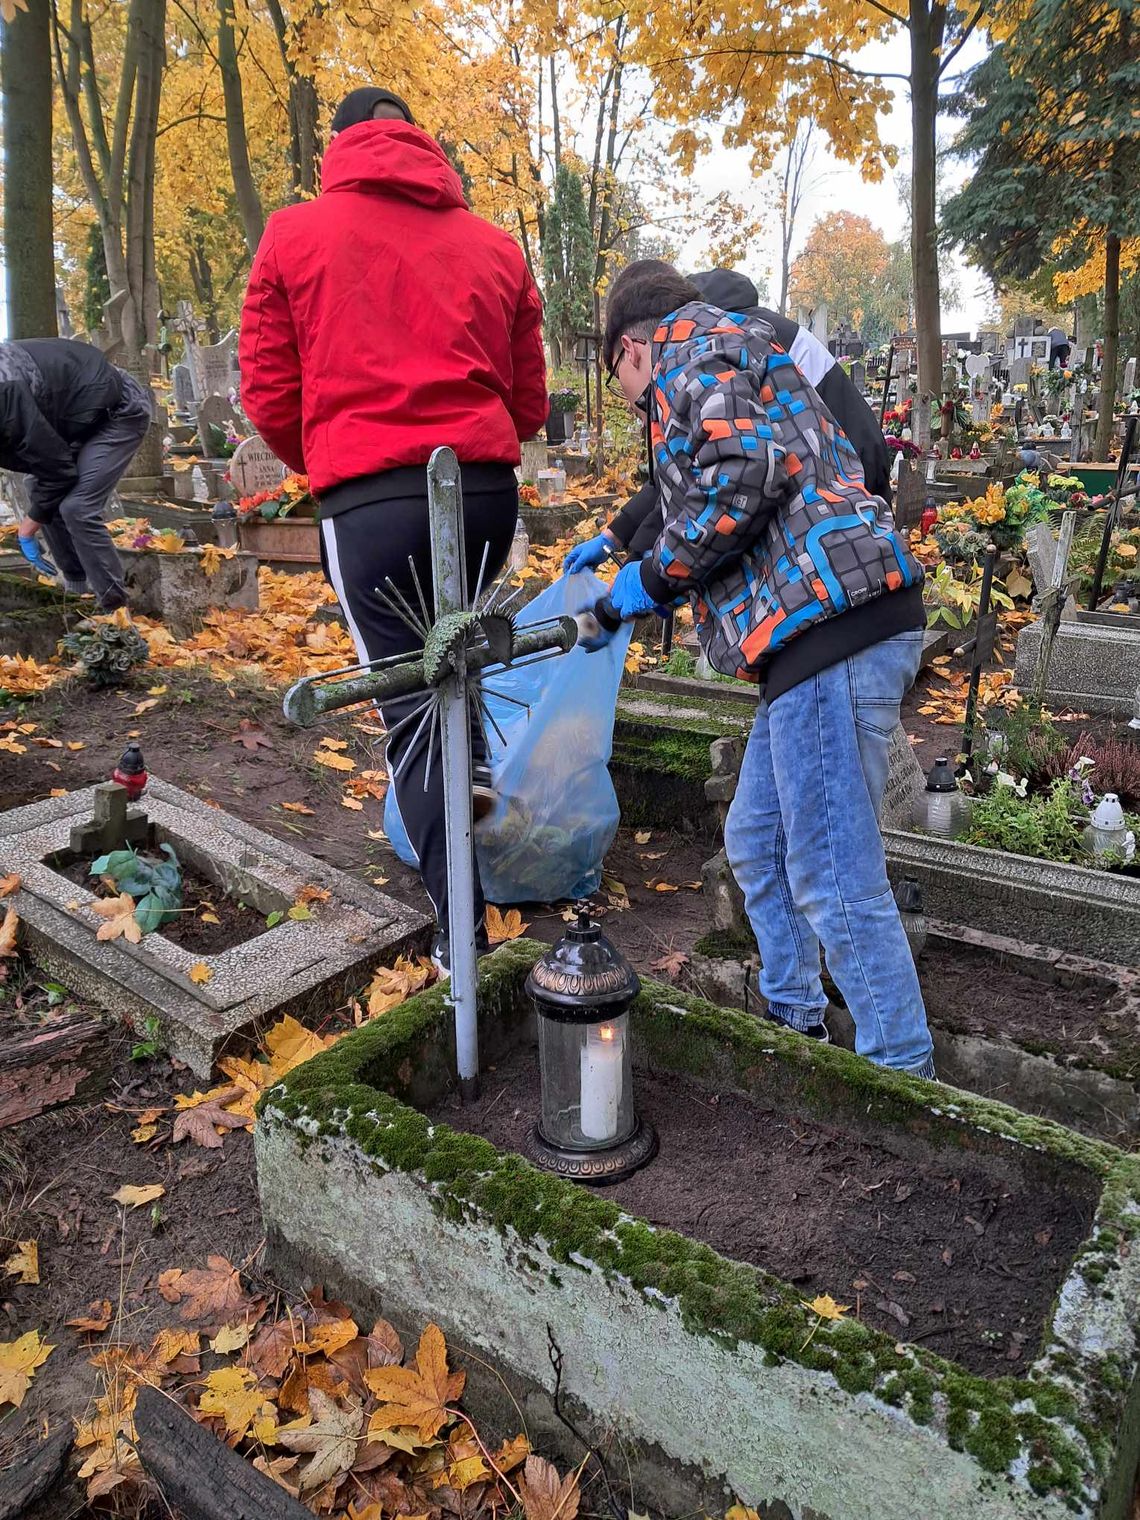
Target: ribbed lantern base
[(596, 1167)]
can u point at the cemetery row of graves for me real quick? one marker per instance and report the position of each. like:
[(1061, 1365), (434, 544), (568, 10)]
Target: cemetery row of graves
[(260, 1252)]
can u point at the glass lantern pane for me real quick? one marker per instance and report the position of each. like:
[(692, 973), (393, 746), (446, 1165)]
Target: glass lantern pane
[(587, 1083)]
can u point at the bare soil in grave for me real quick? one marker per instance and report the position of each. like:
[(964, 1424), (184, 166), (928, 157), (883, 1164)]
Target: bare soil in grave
[(973, 990), (203, 902), (945, 1255)]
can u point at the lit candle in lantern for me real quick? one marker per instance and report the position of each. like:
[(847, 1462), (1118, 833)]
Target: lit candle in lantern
[(602, 1056)]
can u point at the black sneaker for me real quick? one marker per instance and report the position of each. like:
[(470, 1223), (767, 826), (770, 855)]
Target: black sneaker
[(818, 1031), (441, 949), (112, 602), (483, 794)]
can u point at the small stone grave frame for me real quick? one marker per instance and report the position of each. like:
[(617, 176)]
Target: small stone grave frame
[(305, 968), (255, 468)]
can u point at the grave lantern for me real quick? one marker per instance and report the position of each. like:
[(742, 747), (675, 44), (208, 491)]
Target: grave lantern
[(1106, 832), (130, 772), (942, 808), (225, 524), (588, 1128), (912, 914)]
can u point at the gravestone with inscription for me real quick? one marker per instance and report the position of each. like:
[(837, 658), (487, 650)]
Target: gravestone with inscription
[(905, 780), (255, 468), (218, 366)]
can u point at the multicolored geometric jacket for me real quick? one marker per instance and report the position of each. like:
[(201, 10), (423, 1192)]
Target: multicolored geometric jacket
[(766, 522)]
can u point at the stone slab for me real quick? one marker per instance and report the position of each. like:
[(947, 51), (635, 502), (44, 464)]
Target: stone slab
[(667, 1359), (1095, 665), (176, 589), (299, 967), (1066, 907)]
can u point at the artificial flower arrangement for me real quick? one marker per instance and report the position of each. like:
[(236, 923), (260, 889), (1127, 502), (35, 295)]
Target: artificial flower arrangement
[(291, 496)]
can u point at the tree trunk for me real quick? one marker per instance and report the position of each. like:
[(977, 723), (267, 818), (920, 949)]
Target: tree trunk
[(556, 116), (142, 271), (303, 135), (1109, 365), (237, 144), (927, 24), (25, 79), (203, 279)]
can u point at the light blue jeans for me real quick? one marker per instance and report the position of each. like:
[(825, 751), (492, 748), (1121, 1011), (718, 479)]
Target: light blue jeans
[(803, 840)]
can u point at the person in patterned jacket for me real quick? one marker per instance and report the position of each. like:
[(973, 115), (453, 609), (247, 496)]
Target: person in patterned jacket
[(799, 581)]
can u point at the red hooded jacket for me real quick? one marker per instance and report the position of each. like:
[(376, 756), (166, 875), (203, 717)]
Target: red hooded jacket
[(385, 319)]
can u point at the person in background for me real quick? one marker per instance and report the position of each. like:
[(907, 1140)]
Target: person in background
[(1060, 347), (799, 582), (635, 527), (73, 423), (383, 320)]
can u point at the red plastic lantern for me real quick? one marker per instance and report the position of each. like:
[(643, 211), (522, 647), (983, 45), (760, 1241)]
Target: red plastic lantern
[(955, 452), (975, 452), (929, 517), (130, 772)]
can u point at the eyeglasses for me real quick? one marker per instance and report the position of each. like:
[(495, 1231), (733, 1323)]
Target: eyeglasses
[(613, 384)]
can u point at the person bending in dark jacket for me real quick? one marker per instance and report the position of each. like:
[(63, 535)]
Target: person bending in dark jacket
[(636, 526), (73, 423), (798, 581), (382, 320)]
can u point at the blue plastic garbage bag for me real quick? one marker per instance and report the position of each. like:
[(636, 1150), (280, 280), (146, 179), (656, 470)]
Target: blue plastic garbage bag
[(557, 812)]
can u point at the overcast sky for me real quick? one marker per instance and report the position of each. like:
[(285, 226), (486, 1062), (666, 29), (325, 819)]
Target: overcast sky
[(838, 187)]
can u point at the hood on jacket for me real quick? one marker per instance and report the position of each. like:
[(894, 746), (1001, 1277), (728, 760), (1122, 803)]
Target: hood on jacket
[(727, 289), (392, 158)]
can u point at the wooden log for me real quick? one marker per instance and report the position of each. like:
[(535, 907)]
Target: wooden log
[(199, 1476), (39, 1068), (39, 1467)]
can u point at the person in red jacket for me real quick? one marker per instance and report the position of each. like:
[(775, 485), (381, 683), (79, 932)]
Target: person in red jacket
[(382, 320)]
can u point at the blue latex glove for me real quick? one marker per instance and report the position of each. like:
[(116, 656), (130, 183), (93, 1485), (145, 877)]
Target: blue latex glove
[(30, 549), (587, 556), (628, 595)]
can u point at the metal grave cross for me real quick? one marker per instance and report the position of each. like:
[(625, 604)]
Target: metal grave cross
[(458, 643)]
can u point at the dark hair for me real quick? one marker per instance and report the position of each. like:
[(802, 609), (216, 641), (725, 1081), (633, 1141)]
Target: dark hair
[(360, 105), (642, 294)]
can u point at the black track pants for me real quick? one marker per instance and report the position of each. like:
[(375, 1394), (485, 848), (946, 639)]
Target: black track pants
[(360, 548)]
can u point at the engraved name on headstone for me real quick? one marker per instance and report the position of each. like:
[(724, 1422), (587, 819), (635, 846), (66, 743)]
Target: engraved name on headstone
[(255, 468)]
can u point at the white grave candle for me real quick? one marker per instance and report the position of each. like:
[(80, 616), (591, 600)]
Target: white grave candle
[(602, 1057)]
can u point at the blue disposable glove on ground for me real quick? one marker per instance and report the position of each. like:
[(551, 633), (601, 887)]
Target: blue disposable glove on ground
[(587, 556), (628, 595), (30, 549)]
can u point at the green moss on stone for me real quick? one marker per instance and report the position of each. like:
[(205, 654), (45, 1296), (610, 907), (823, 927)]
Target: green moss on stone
[(357, 1088), (726, 945)]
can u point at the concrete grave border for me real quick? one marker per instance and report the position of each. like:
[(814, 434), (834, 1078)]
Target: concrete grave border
[(306, 968), (701, 1366)]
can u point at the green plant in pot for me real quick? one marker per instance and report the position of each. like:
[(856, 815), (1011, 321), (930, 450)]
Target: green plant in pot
[(564, 406), (156, 885)]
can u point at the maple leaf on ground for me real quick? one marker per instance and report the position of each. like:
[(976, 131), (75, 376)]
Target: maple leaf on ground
[(96, 1320), (325, 1338), (119, 913), (381, 1347), (331, 1438), (251, 737), (272, 1348), (512, 1454), (200, 1122), (299, 807), (233, 1395), (18, 1362), (24, 1263), (417, 1396), (504, 926), (545, 1496), (211, 1295), (9, 884), (826, 1307), (200, 973), (671, 964), (8, 933), (132, 1196), (312, 894), (230, 1338), (393, 985), (305, 1376), (333, 760)]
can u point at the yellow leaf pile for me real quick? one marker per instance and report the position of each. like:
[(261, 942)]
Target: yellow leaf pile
[(393, 985)]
